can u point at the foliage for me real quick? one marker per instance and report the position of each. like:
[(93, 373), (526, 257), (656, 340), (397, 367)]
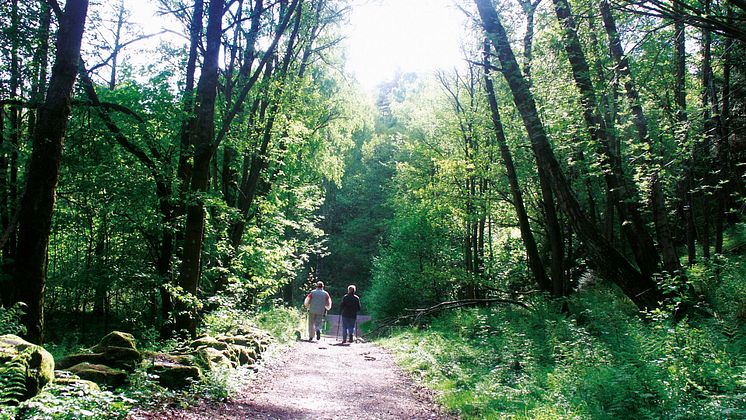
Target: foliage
[(603, 361), (72, 401), (10, 320), (13, 378), (279, 321)]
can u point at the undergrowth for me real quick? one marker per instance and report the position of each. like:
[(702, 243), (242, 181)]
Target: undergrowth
[(76, 401), (603, 360)]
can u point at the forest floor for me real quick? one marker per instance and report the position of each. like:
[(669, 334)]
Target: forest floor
[(321, 380)]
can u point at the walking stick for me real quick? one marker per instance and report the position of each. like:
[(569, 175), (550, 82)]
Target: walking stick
[(339, 321)]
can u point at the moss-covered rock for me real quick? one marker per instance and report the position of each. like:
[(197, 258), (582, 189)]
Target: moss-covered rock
[(208, 341), (29, 361), (213, 358), (116, 339), (100, 374), (75, 382), (117, 350), (174, 375)]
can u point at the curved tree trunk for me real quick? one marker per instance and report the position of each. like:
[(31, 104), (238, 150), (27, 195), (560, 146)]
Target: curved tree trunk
[(656, 198), (529, 242), (624, 194), (640, 289)]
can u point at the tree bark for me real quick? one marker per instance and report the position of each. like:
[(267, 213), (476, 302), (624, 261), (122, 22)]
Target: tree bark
[(9, 250), (710, 128), (37, 203), (624, 194), (202, 140), (656, 197), (723, 156), (529, 242), (555, 239), (117, 46), (640, 289)]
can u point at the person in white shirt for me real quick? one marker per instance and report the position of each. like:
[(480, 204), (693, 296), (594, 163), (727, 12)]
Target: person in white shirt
[(317, 302)]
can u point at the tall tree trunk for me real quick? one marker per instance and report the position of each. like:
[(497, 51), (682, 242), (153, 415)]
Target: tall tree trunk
[(686, 205), (640, 289), (184, 169), (529, 242), (625, 195), (202, 140), (555, 238), (607, 109), (529, 10), (256, 163), (184, 172), (6, 291), (723, 156), (656, 197), (710, 128), (37, 203), (117, 45), (9, 249)]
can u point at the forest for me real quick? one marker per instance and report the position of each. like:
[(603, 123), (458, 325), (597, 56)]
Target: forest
[(555, 228)]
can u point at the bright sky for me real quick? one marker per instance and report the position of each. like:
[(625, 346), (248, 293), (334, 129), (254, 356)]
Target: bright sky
[(382, 36), (408, 35)]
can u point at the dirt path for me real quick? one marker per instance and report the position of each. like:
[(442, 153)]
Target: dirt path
[(325, 380)]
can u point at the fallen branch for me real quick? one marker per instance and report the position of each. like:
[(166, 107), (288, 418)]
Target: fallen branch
[(416, 314)]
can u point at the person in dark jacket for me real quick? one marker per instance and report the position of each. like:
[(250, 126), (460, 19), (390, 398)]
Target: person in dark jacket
[(349, 308)]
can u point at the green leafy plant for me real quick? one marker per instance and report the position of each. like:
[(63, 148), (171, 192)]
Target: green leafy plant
[(13, 379), (10, 320)]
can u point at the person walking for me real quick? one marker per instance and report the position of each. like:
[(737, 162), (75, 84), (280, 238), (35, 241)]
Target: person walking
[(317, 302), (348, 309)]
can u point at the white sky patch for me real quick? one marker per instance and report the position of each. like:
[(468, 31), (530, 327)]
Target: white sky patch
[(382, 36), (386, 36)]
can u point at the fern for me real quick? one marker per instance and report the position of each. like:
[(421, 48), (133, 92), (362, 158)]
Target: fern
[(10, 320), (13, 379)]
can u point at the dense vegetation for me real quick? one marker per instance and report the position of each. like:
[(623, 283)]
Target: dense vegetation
[(571, 198)]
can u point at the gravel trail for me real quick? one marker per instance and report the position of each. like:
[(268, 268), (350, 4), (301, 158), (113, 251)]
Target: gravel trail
[(323, 380)]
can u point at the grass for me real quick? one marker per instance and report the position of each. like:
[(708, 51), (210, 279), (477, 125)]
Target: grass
[(602, 361)]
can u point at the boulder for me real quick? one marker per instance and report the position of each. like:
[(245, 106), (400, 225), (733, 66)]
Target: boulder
[(213, 358), (31, 362), (213, 346), (117, 350), (174, 375), (100, 374), (78, 358), (77, 383), (115, 339), (208, 341), (261, 338)]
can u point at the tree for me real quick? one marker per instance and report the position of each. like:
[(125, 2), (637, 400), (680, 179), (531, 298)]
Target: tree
[(640, 289), (37, 203), (529, 242), (202, 140)]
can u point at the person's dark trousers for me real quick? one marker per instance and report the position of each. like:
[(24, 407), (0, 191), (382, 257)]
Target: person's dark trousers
[(348, 328)]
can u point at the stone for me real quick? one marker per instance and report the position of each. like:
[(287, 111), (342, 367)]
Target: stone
[(39, 363), (115, 339), (100, 374), (209, 342), (116, 349), (74, 382), (78, 358), (213, 358), (174, 375)]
